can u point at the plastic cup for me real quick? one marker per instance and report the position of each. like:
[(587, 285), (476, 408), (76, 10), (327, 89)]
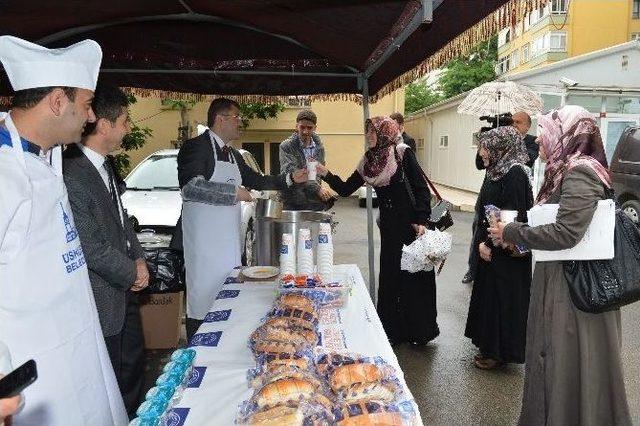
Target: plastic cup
[(312, 169)]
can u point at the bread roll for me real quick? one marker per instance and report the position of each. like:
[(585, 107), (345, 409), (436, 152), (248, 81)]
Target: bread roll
[(296, 301), (286, 372), (274, 360), (298, 317), (368, 413), (368, 392), (285, 322), (297, 336), (347, 375), (285, 390), (278, 416), (262, 346)]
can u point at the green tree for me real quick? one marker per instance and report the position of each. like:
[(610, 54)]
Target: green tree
[(251, 110), (419, 95), (469, 72), (133, 140)]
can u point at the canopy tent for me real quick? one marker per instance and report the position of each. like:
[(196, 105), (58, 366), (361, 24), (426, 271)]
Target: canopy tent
[(264, 49)]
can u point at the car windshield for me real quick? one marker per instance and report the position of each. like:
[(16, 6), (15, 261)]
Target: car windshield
[(156, 172)]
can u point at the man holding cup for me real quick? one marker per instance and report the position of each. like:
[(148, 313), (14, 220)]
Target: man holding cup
[(304, 149)]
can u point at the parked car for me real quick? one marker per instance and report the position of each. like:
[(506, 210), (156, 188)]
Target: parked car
[(153, 202), (625, 172), (362, 197)]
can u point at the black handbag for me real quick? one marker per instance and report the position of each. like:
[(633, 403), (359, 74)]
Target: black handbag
[(598, 286), (440, 218)]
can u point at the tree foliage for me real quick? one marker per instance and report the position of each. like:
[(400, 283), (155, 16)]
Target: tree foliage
[(133, 140), (419, 95), (463, 74), (251, 110), (458, 76)]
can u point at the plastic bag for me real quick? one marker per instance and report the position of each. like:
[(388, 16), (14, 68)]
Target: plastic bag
[(166, 270), (428, 250)]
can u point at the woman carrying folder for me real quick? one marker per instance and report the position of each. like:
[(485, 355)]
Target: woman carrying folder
[(573, 369)]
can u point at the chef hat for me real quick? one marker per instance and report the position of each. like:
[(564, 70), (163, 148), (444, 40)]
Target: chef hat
[(30, 66)]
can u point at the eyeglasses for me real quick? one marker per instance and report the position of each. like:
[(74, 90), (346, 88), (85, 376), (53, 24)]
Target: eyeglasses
[(236, 116)]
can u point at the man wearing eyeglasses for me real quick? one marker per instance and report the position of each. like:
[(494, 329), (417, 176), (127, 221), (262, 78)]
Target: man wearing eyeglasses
[(213, 177)]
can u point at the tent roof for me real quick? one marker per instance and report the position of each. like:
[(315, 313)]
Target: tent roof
[(260, 47)]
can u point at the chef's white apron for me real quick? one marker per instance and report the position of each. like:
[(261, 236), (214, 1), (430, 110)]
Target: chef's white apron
[(47, 309), (211, 240)]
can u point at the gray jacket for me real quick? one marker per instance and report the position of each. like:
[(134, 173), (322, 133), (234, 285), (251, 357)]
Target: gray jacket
[(111, 263), (300, 196)]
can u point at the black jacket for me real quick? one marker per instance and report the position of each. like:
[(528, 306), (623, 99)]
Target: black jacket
[(195, 158), (409, 141)]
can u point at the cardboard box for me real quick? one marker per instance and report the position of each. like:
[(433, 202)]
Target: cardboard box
[(161, 319)]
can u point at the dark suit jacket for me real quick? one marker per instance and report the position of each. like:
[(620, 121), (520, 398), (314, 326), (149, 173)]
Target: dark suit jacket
[(111, 264), (408, 140), (195, 158)]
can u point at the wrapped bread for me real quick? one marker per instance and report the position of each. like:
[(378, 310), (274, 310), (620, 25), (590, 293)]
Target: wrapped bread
[(284, 322), (296, 335), (368, 392), (274, 359), (280, 372), (347, 375), (366, 413), (297, 317), (281, 391), (279, 415), (298, 301), (262, 346)]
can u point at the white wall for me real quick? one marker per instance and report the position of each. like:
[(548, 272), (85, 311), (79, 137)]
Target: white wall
[(453, 166)]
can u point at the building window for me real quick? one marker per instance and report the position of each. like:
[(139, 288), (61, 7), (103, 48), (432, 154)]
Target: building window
[(420, 143), (558, 42), (527, 21), (559, 6), (515, 59), (636, 9), (635, 36), (525, 53), (444, 141), (503, 65), (299, 101)]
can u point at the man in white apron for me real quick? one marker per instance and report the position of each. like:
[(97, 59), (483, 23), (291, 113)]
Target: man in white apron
[(47, 309), (210, 228)]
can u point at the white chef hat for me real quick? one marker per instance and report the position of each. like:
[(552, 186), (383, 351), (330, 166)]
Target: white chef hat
[(30, 66)]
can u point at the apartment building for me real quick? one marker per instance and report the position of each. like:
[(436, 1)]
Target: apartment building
[(566, 28)]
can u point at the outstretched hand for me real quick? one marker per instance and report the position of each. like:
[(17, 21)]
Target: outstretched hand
[(300, 176)]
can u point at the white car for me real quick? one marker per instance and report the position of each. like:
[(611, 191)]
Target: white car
[(153, 202)]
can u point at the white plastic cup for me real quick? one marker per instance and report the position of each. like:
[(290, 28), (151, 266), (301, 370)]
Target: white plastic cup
[(508, 216), (312, 169)]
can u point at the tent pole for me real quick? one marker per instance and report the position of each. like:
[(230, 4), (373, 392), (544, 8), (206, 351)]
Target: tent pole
[(372, 266)]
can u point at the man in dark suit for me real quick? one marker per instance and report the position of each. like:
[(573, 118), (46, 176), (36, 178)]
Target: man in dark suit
[(522, 122), (213, 176), (117, 269), (408, 140)]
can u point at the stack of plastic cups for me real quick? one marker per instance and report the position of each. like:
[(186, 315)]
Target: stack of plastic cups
[(288, 255), (325, 253), (168, 390), (305, 252)]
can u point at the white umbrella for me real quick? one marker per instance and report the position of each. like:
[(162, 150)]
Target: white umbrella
[(499, 97)]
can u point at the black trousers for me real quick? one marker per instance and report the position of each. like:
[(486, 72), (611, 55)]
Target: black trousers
[(126, 350), (192, 326)]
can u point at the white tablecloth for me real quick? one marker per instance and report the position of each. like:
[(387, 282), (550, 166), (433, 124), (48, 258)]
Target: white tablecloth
[(219, 383)]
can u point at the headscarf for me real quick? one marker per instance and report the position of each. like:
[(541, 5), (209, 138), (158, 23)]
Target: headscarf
[(379, 163), (506, 149), (570, 137)]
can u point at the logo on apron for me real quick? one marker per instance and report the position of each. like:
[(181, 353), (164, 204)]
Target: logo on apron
[(177, 416), (72, 234)]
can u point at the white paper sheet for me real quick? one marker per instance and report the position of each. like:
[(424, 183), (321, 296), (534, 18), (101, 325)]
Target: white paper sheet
[(597, 242)]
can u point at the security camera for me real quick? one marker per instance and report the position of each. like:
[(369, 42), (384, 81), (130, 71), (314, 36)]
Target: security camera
[(568, 82)]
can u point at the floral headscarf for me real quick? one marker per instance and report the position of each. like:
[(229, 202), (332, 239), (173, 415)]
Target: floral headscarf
[(570, 137), (506, 148), (379, 163)]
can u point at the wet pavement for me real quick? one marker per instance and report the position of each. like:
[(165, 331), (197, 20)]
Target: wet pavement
[(447, 387)]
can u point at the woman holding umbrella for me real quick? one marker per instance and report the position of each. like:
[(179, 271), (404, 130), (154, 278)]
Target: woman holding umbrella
[(406, 302)]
